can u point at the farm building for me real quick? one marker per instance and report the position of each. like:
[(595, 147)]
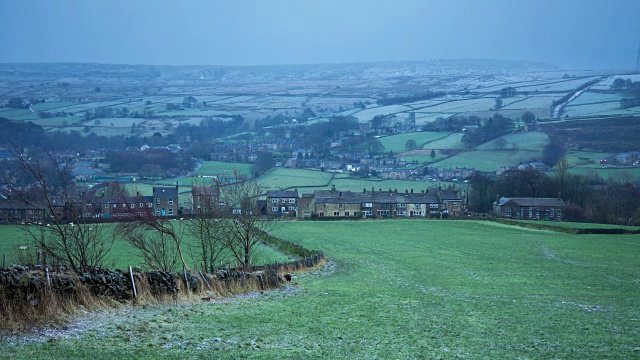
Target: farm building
[(529, 208)]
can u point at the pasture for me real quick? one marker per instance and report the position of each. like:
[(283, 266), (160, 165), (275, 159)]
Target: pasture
[(122, 254), (224, 168), (396, 143), (398, 289), (489, 160)]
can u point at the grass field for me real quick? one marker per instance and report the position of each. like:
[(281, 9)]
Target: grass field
[(281, 178), (122, 254), (489, 160), (400, 289), (579, 225), (533, 140), (224, 168), (396, 143)]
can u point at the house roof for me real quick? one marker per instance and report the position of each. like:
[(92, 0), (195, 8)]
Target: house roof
[(165, 191), (551, 202), (282, 193), (128, 200)]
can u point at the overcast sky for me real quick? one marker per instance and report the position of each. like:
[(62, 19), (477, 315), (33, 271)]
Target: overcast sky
[(573, 34)]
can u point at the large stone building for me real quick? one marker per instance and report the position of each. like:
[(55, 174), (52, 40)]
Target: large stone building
[(529, 208)]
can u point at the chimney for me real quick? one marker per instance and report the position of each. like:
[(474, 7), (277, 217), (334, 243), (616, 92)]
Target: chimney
[(412, 190), (364, 191), (406, 192), (373, 190), (340, 194), (137, 193)]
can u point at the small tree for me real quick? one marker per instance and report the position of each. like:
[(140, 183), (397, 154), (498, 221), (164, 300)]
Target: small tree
[(63, 231), (498, 104), (207, 224), (410, 144), (432, 155), (244, 224), (501, 143)]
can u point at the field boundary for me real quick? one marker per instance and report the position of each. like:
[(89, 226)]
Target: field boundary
[(568, 230)]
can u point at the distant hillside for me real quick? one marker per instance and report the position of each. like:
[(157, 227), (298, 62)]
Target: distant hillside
[(351, 71)]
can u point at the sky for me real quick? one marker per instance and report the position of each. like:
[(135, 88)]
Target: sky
[(571, 34)]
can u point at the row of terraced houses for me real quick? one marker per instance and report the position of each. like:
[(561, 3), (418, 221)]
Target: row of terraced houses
[(333, 203)]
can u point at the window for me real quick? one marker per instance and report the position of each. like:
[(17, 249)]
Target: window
[(402, 213), (336, 213), (149, 205), (284, 200), (346, 213), (340, 206), (115, 206), (292, 201), (124, 205), (106, 206), (559, 213), (433, 206), (530, 212), (170, 211), (158, 201), (141, 205), (274, 208), (275, 201), (508, 212), (417, 205), (455, 204), (368, 212), (133, 206), (444, 202), (402, 206), (367, 205), (552, 209), (292, 208), (321, 214), (171, 202), (88, 205)]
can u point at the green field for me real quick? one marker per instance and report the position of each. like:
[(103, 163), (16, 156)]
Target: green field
[(281, 178), (396, 143), (400, 289), (489, 160), (606, 172), (533, 140), (580, 225), (122, 254), (224, 168)]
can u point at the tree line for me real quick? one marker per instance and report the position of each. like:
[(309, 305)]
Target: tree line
[(587, 198)]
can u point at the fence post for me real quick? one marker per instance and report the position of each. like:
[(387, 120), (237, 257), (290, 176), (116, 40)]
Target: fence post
[(48, 278), (4, 260), (205, 280), (186, 281), (133, 283)]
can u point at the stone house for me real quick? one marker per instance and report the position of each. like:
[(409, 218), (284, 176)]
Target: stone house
[(282, 203), (549, 209), (165, 201)]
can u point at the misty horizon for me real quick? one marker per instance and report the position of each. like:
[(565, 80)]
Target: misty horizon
[(571, 34)]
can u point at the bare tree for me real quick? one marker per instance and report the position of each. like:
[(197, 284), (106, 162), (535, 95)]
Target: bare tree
[(63, 230), (147, 231), (208, 225), (244, 222), (157, 249)]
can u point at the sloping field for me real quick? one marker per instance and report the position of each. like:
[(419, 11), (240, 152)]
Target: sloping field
[(281, 178), (220, 167), (396, 143), (532, 140), (398, 290), (489, 160), (122, 254)]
